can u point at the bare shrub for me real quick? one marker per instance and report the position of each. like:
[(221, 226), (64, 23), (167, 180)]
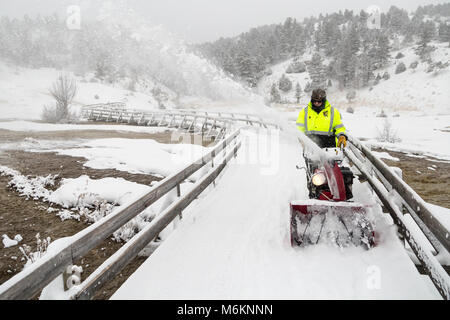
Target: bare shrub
[(387, 133), (41, 250), (63, 90), (351, 95), (382, 114), (437, 66), (160, 96), (54, 114), (414, 65), (400, 68)]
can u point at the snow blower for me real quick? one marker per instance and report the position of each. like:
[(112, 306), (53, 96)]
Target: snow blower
[(329, 214)]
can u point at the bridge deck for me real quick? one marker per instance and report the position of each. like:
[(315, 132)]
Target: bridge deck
[(234, 244)]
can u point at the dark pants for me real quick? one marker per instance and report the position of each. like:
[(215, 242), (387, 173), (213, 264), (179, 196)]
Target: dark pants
[(323, 141)]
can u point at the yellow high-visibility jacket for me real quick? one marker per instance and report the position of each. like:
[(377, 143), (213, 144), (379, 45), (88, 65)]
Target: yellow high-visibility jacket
[(327, 122)]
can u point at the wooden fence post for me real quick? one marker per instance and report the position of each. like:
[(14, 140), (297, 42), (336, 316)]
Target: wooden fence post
[(180, 214)]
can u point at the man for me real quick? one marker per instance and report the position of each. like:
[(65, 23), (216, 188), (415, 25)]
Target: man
[(321, 122)]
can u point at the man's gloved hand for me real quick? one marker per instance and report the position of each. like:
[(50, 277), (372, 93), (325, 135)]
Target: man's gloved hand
[(342, 141)]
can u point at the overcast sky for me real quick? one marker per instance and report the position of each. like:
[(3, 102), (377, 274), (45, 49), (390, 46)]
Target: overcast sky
[(207, 20)]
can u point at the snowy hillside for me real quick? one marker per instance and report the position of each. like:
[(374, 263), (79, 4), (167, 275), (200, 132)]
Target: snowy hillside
[(24, 92), (119, 56), (415, 91)]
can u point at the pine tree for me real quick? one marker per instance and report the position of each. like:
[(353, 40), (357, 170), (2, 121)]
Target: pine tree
[(444, 32), (397, 20), (345, 66), (400, 68), (247, 67), (274, 94), (416, 22), (289, 28), (425, 36), (299, 40), (298, 92), (284, 84), (320, 37), (348, 14), (363, 17), (382, 49), (308, 87), (408, 39), (296, 66), (332, 35), (365, 73), (414, 65), (377, 80), (353, 39), (317, 71)]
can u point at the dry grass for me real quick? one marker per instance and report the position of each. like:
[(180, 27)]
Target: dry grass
[(29, 217)]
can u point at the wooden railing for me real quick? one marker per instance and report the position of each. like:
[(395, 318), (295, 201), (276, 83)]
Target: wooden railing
[(212, 124), (31, 280), (384, 181)]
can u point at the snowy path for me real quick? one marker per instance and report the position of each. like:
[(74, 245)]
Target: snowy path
[(234, 244)]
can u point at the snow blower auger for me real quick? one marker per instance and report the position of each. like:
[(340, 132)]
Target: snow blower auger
[(328, 214)]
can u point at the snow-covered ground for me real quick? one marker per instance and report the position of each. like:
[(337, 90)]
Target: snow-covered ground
[(237, 247), (136, 156), (233, 243), (420, 134), (30, 126), (24, 93), (92, 199)]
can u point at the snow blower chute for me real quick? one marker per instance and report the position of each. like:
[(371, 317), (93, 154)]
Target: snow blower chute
[(329, 214)]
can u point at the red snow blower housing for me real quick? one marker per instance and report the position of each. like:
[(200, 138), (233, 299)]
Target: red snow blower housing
[(329, 214)]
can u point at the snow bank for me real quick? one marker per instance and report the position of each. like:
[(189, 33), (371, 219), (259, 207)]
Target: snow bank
[(420, 134), (136, 155), (83, 191), (34, 188), (30, 126), (7, 242), (385, 155), (92, 199), (441, 213)]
